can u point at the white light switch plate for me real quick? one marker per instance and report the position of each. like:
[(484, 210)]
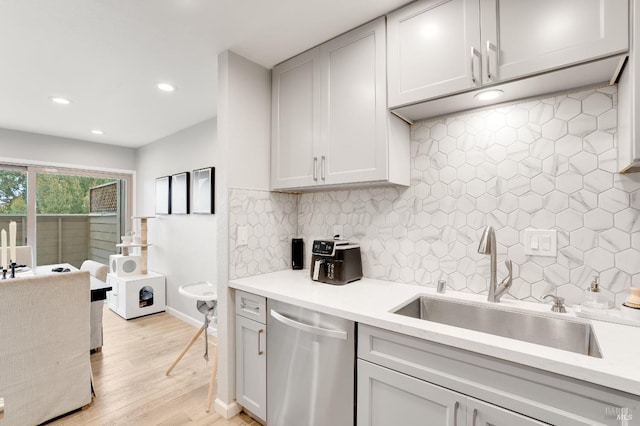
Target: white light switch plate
[(541, 242), (242, 236)]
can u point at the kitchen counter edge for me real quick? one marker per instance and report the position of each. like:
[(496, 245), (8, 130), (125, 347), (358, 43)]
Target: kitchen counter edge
[(370, 302)]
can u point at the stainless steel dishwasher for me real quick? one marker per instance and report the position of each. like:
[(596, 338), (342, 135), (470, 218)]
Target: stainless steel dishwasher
[(310, 367)]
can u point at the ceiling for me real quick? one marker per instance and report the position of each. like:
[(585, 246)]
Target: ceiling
[(107, 55)]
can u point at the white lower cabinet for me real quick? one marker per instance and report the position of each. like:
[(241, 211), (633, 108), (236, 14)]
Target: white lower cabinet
[(386, 397), (480, 413), (407, 380), (251, 354)]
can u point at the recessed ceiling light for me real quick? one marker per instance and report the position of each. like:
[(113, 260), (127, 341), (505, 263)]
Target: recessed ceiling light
[(97, 132), (487, 95), (166, 87), (59, 100)]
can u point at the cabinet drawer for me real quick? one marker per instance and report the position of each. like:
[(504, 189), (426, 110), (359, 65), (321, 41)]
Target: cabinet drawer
[(251, 306)]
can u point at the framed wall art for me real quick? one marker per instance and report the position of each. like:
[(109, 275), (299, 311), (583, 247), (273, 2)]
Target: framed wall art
[(204, 190), (180, 193), (163, 195)]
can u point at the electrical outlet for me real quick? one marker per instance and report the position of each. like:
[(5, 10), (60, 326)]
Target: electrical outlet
[(541, 242), (242, 235)]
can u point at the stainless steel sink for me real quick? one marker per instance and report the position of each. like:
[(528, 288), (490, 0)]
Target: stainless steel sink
[(559, 333)]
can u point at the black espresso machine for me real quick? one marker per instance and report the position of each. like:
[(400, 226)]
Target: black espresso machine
[(335, 261)]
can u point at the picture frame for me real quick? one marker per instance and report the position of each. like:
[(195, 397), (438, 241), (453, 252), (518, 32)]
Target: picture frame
[(163, 195), (204, 190), (180, 193)]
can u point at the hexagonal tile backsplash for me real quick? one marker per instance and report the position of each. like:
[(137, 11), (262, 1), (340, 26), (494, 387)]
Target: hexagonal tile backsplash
[(545, 164), (272, 220)]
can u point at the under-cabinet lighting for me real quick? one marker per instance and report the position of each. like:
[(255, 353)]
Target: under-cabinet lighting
[(97, 132), (166, 87), (59, 100), (487, 95)]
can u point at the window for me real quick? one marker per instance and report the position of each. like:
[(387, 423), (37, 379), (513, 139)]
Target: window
[(66, 215), (13, 200)]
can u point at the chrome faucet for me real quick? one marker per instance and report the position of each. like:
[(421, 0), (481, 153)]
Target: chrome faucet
[(558, 303), (488, 246)]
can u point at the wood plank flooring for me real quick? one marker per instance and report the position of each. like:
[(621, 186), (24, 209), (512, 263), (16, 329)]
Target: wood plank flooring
[(130, 381)]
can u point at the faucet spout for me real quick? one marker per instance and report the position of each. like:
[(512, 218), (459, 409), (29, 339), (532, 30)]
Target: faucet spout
[(488, 246)]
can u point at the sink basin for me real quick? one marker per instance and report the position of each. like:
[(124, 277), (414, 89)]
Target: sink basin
[(559, 333)]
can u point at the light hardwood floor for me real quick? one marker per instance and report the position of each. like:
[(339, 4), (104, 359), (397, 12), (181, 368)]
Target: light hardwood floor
[(130, 381)]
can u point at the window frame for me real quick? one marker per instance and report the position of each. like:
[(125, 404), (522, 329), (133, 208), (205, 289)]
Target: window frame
[(127, 177)]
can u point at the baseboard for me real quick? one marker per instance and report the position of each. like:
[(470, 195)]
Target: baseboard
[(212, 331), (226, 410)]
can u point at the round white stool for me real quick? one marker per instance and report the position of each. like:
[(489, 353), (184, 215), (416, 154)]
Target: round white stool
[(206, 301)]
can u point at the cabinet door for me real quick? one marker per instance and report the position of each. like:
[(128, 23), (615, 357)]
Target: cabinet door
[(482, 414), (386, 397), (295, 121), (251, 366), (522, 38), (434, 50), (354, 113)]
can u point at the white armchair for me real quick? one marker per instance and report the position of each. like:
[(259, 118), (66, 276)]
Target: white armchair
[(44, 347), (99, 271)]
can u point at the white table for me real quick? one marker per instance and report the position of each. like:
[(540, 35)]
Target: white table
[(98, 288)]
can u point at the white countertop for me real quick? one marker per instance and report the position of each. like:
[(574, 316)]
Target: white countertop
[(370, 301)]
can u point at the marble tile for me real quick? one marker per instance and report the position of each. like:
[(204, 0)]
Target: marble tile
[(272, 221), (543, 163)]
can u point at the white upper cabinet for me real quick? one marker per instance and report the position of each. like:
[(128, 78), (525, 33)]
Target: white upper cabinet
[(295, 113), (354, 128), (443, 47), (521, 38), (434, 49), (331, 125), (628, 129)]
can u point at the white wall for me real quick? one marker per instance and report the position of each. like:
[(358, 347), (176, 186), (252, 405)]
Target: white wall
[(183, 247), (34, 148), (244, 120), (249, 123)]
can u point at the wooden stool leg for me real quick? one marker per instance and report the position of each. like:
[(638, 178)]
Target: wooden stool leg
[(186, 348), (214, 371)]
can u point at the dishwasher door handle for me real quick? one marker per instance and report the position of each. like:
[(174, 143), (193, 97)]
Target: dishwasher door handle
[(337, 334)]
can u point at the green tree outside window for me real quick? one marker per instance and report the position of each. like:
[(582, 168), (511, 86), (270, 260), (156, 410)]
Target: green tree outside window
[(13, 192), (56, 194)]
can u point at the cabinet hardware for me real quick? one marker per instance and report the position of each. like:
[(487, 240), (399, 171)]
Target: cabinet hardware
[(260, 351), (494, 48), (474, 53), (456, 405), (243, 305), (319, 331), (475, 416), (322, 167), (315, 168)]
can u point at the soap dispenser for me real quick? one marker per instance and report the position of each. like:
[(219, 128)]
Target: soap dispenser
[(594, 300)]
